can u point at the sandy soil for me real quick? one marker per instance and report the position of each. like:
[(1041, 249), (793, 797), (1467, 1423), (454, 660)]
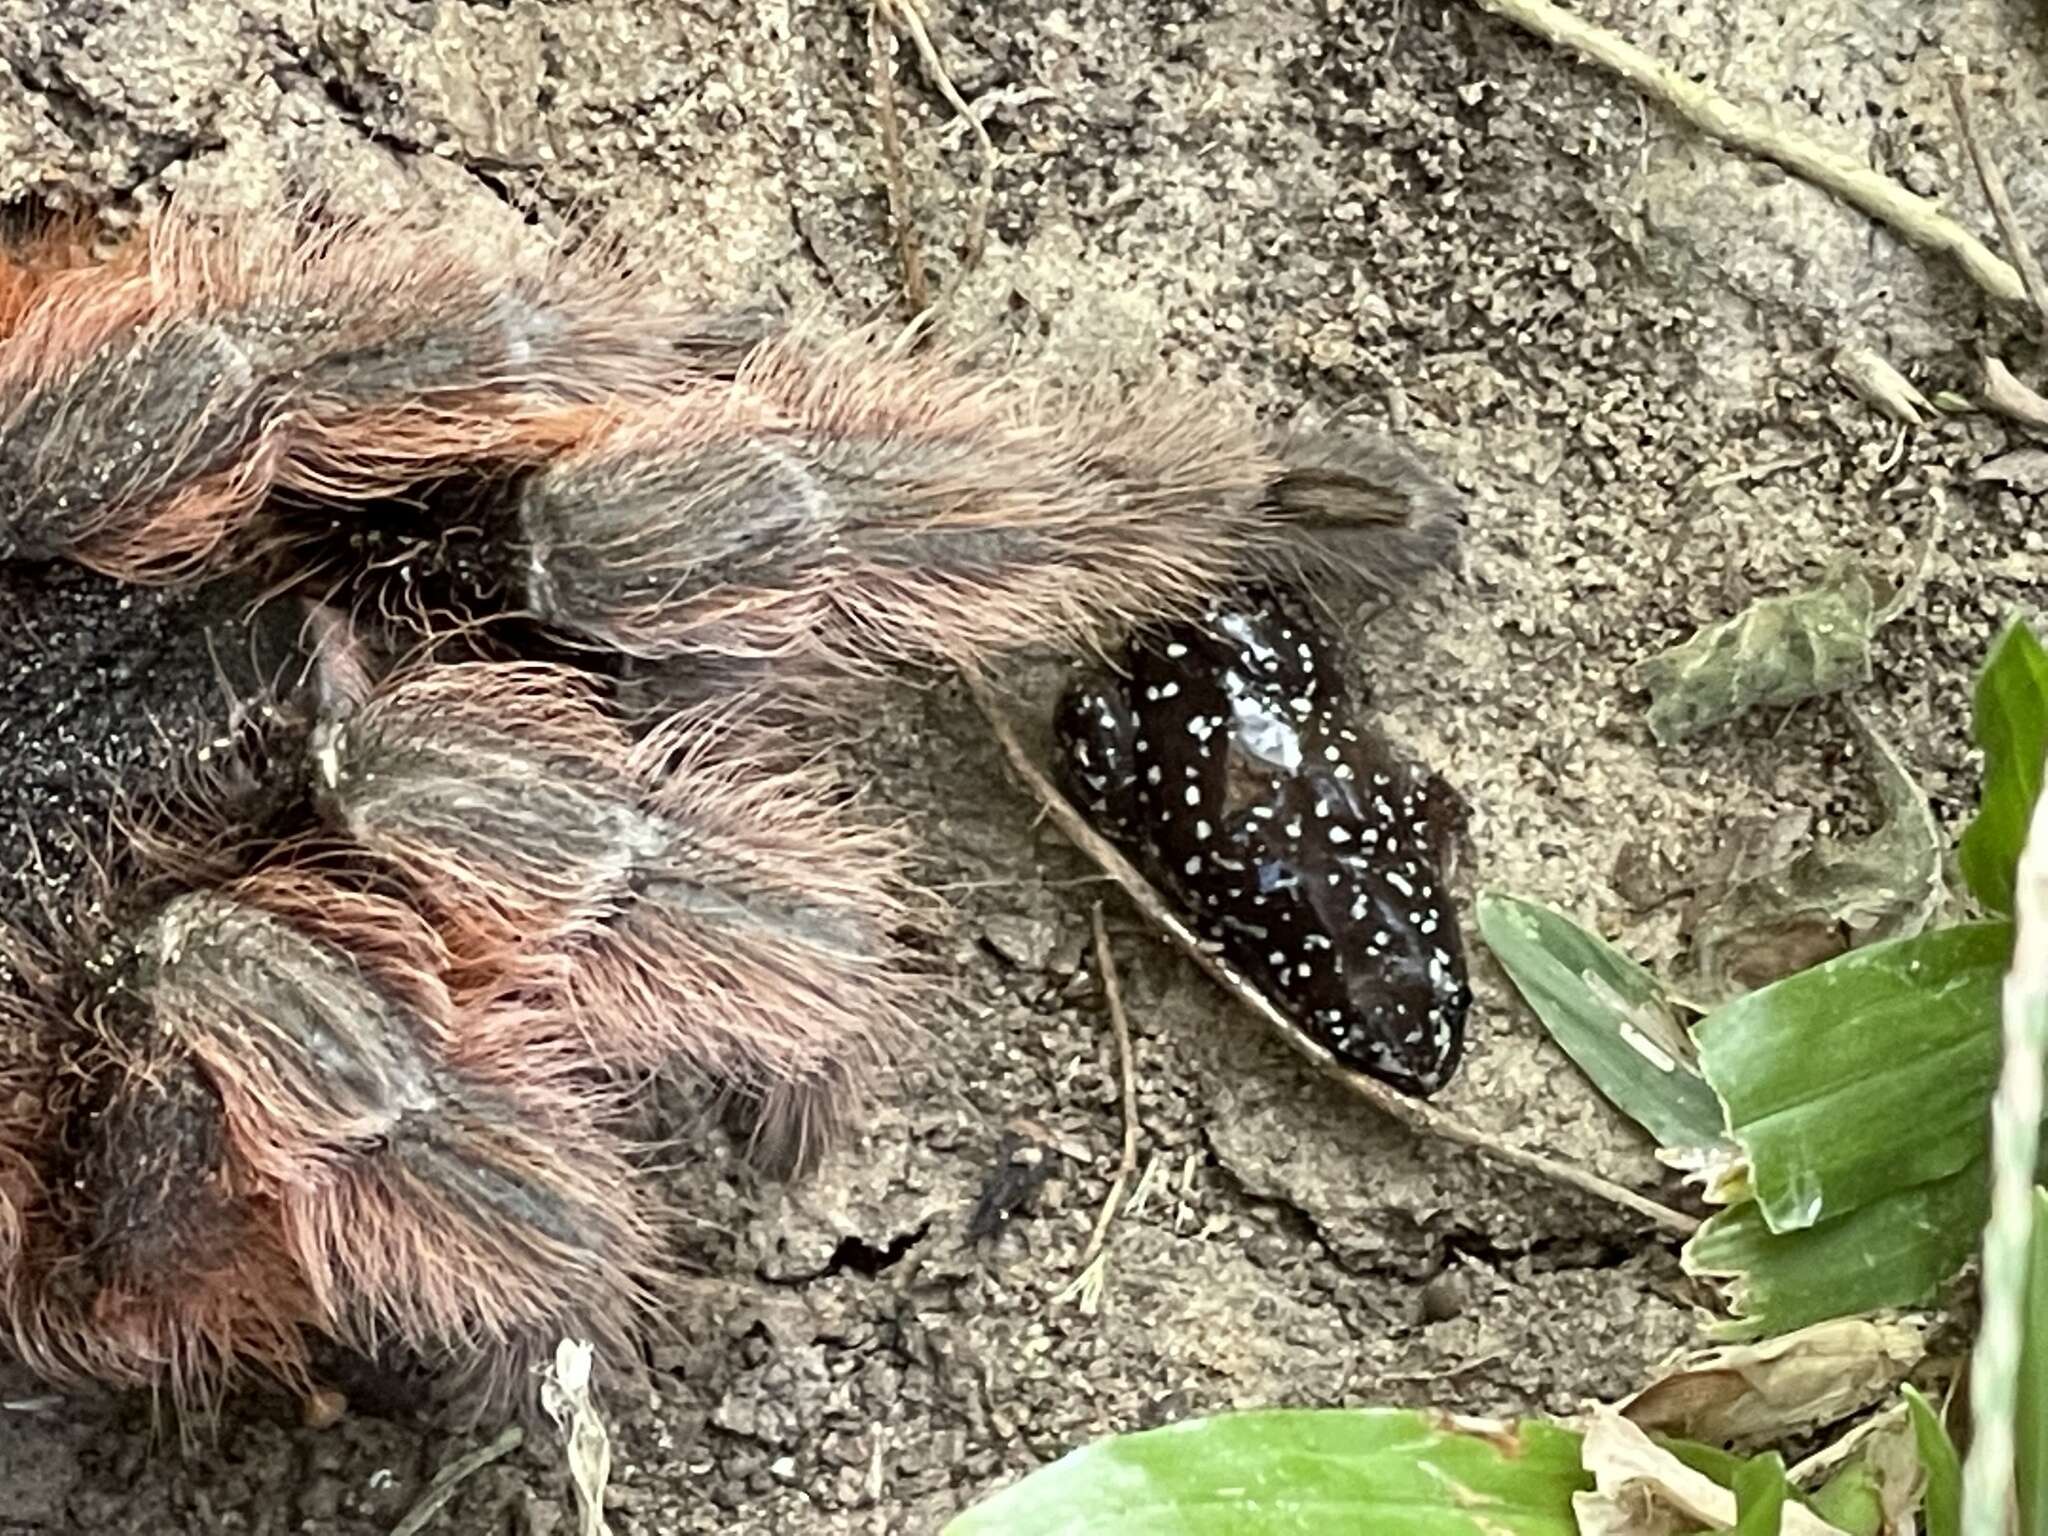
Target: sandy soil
[(1615, 336)]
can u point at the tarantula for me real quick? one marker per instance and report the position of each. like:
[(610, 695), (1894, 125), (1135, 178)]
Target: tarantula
[(345, 1047)]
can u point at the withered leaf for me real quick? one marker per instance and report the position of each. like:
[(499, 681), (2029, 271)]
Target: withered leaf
[(2024, 469), (1836, 895), (1776, 652), (1758, 1394), (1881, 386), (1642, 1489)]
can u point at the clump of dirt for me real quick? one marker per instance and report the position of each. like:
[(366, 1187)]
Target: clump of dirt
[(1614, 336)]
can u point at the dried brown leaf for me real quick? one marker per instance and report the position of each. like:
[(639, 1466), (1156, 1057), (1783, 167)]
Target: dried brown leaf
[(1757, 1394), (1781, 914)]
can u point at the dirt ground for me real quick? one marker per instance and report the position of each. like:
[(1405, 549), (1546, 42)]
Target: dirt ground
[(1615, 336)]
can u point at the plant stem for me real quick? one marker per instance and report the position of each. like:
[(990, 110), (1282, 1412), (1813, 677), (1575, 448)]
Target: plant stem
[(2015, 1146)]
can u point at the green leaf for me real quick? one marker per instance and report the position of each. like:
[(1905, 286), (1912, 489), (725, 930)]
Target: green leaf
[(1760, 1496), (1295, 1472), (2030, 1421), (1893, 1252), (1864, 1076), (1710, 1461), (1944, 1469), (1610, 1015), (2011, 725), (1852, 1500), (1776, 652)]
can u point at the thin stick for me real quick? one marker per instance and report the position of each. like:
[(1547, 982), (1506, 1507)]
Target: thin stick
[(1914, 218), (451, 1477), (1113, 990), (909, 16), (1992, 180), (916, 288), (2012, 398), (2006, 395), (1914, 581), (1417, 1116)]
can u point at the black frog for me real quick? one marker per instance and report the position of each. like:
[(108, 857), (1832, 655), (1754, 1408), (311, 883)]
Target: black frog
[(1229, 763)]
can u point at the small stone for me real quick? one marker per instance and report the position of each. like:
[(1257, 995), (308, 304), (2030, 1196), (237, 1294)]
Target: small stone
[(1443, 1297), (1025, 943)]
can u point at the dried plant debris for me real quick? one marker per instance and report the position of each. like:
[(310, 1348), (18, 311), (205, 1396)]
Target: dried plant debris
[(2005, 394), (1881, 386), (1785, 912), (2023, 469), (1879, 1467), (1642, 1489), (1758, 1394), (586, 1443), (448, 1481), (1775, 653)]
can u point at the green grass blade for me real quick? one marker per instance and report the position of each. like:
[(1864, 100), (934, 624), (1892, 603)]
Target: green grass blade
[(1863, 1076), (1894, 1252), (1710, 1461), (1943, 1508), (2011, 725), (1609, 1014), (1996, 1364), (1301, 1473), (1760, 1496), (2030, 1421)]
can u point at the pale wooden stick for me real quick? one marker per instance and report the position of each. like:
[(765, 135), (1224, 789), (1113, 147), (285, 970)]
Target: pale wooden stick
[(1915, 218), (1992, 180), (1112, 989)]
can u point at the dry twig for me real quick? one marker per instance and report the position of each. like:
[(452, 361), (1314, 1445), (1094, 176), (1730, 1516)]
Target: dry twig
[(1414, 1114), (1992, 180), (915, 286), (2006, 395), (451, 1477), (1086, 1287), (1113, 990), (1914, 218), (908, 17)]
